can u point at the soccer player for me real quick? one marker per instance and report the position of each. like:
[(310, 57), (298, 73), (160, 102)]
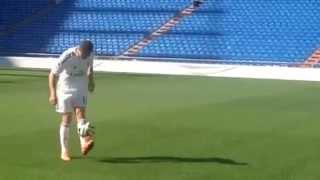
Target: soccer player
[(70, 80)]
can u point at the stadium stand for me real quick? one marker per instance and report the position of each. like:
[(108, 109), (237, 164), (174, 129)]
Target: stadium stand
[(226, 31), (14, 11)]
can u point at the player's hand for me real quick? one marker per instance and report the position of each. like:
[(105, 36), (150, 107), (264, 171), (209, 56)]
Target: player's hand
[(53, 99), (91, 86)]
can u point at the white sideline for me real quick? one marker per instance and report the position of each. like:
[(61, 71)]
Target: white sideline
[(172, 68)]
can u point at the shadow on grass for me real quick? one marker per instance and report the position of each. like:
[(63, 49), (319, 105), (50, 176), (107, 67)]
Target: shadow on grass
[(6, 82), (24, 75), (78, 157), (169, 159)]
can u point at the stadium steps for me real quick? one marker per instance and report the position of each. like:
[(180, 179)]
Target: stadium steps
[(136, 48), (313, 60)]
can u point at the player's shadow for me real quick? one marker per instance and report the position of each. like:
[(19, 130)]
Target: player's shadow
[(6, 82), (170, 159), (24, 75)]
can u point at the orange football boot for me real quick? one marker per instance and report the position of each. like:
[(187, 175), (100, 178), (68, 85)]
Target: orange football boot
[(88, 145)]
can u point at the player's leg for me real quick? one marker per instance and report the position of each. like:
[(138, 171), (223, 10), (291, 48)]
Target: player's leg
[(87, 142), (64, 136), (64, 107), (81, 119)]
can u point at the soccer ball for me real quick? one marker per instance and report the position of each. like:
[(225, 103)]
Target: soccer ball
[(85, 129)]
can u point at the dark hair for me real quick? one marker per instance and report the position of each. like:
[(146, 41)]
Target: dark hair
[(87, 44)]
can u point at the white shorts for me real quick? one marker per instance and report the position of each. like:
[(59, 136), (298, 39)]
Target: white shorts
[(68, 101)]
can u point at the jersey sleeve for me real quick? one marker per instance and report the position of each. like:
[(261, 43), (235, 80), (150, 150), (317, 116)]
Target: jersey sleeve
[(58, 66)]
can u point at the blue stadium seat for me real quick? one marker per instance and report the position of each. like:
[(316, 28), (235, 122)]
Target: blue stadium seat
[(131, 5), (228, 31), (14, 11)]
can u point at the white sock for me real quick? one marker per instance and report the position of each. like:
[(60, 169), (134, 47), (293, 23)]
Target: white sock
[(64, 137), (82, 139)]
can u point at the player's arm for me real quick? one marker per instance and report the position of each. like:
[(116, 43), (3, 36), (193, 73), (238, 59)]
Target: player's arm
[(52, 88), (91, 85), (53, 77)]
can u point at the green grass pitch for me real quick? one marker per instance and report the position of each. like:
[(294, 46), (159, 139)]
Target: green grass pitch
[(165, 128)]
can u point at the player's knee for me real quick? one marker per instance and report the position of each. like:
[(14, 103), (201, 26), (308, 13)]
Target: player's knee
[(66, 119), (65, 123), (80, 113)]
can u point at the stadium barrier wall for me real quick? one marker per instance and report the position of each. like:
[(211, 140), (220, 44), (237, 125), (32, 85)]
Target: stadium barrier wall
[(174, 68)]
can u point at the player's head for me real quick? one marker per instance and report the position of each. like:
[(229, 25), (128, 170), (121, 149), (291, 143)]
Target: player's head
[(86, 48)]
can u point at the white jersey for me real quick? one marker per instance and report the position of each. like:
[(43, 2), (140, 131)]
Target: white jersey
[(72, 72)]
